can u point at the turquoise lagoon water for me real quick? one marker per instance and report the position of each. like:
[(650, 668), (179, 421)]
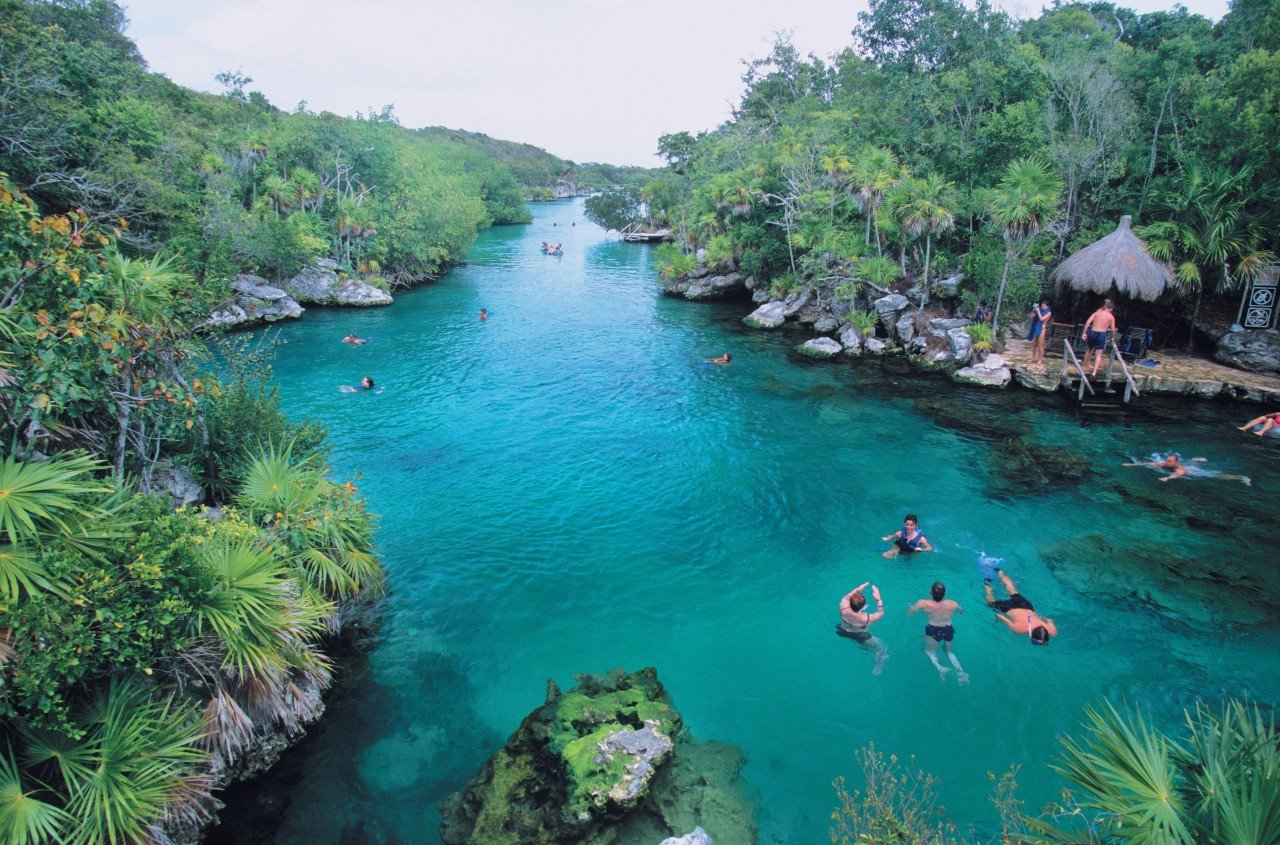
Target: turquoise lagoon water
[(568, 488)]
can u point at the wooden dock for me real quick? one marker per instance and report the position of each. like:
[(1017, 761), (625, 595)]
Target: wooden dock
[(635, 235)]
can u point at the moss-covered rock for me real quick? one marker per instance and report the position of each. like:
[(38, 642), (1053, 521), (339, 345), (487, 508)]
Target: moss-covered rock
[(591, 762)]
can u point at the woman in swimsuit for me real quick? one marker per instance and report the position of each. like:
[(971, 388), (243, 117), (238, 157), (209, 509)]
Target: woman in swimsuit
[(1266, 421), (1040, 317), (855, 620), (723, 359), (908, 539)]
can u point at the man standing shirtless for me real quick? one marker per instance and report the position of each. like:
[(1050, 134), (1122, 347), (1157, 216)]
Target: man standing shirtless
[(939, 631), (1097, 332), (1019, 614)]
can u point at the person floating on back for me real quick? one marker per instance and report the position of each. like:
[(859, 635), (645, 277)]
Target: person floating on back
[(484, 315), (723, 359), (1097, 331), (939, 631), (908, 539), (1263, 424), (855, 621), (1018, 613), (351, 338)]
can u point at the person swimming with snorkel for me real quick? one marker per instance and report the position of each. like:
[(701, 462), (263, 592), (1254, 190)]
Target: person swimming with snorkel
[(1017, 612)]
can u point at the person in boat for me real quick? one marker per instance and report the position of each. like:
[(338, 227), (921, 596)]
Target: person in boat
[(939, 632), (908, 539), (723, 359), (1263, 424), (856, 620), (484, 315), (1097, 333), (1018, 613), (559, 250), (546, 247), (352, 339), (1040, 317)]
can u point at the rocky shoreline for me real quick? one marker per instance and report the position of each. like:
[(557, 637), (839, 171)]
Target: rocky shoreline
[(255, 301), (931, 337)]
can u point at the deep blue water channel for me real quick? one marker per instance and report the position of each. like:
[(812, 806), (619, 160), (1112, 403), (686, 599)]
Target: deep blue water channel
[(569, 488)]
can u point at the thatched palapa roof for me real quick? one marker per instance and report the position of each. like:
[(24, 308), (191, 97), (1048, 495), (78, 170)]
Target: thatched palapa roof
[(1120, 260)]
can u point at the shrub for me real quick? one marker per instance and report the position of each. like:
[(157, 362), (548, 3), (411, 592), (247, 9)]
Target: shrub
[(863, 321), (673, 262)]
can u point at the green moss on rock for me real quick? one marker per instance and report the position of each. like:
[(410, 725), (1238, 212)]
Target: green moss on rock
[(581, 768)]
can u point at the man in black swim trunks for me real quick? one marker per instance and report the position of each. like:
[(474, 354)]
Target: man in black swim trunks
[(1018, 614), (939, 631)]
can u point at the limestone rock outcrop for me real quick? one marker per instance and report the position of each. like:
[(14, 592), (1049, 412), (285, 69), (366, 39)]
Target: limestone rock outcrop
[(768, 316), (703, 285), (320, 284), (1258, 351), (993, 371), (254, 300)]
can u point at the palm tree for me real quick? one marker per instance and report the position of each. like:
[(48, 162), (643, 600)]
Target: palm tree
[(877, 270), (1206, 229), (875, 172), (930, 212), (278, 190), (1132, 784), (1028, 193), (132, 764), (835, 164)]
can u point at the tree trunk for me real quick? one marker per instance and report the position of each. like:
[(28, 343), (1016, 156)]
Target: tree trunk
[(1195, 315), (924, 297), (876, 225), (123, 410), (868, 228), (1004, 278)]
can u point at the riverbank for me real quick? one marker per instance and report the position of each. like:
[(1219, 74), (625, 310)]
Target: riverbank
[(933, 339)]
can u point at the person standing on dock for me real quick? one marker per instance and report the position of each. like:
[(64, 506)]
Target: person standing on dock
[(939, 631), (1097, 332), (855, 621), (1040, 317)]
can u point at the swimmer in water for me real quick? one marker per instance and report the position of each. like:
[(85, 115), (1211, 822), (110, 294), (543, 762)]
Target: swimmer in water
[(1177, 469), (352, 339), (1018, 613), (855, 620), (366, 383), (484, 315), (723, 359), (908, 539), (1264, 424), (939, 630)]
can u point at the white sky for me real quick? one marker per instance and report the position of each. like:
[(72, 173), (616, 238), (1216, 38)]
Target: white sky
[(589, 80)]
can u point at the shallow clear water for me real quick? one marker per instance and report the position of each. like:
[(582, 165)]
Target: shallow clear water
[(568, 488)]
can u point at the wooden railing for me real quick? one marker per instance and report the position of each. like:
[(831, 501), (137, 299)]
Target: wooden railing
[(1130, 386), (1069, 357)]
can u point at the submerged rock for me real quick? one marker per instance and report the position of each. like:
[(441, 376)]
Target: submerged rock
[(1160, 579), (697, 836), (604, 761), (820, 347), (969, 418), (1024, 465)]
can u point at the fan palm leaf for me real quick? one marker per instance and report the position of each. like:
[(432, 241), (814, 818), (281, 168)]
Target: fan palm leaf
[(40, 498), (24, 818), (21, 571), (1124, 770)]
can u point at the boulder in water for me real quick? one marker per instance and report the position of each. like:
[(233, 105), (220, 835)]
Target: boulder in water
[(1032, 467), (253, 300), (768, 316), (820, 347), (605, 761)]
